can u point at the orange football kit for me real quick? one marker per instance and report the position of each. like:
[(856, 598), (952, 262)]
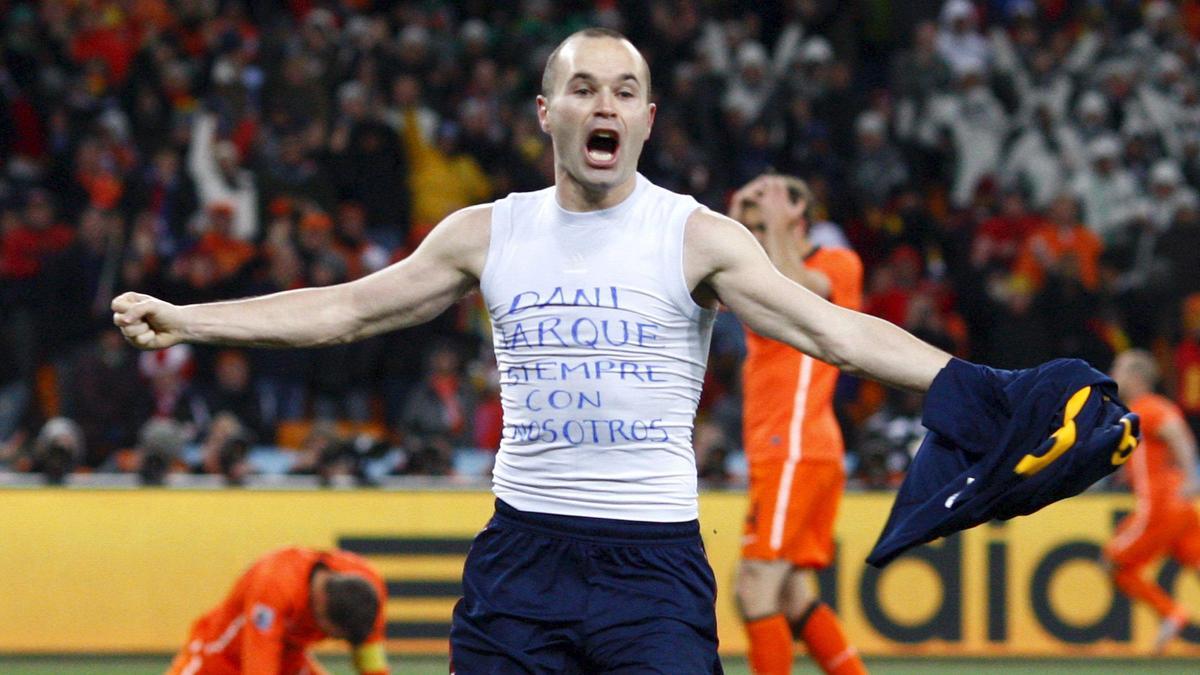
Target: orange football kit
[(792, 440), (1163, 522), (266, 624)]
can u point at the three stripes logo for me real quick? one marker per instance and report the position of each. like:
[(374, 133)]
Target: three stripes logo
[(423, 577)]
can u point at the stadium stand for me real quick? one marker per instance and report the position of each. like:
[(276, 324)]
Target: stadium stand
[(1020, 179)]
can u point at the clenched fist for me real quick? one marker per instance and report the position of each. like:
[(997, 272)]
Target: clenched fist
[(147, 322)]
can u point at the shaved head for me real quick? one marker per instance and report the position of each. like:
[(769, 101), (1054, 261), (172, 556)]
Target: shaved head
[(550, 75), (1139, 363)]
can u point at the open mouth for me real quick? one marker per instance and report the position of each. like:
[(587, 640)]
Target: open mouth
[(602, 147)]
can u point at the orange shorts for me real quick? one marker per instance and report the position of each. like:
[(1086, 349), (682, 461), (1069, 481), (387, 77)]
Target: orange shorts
[(792, 512), (1169, 529)]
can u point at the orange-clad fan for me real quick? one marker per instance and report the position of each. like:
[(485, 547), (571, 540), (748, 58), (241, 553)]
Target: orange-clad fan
[(286, 601), (1163, 475), (794, 447)]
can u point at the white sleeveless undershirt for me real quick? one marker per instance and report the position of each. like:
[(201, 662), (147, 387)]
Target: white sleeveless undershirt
[(601, 351)]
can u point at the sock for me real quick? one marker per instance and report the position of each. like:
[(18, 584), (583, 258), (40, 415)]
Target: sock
[(827, 645), (770, 645), (1132, 584)]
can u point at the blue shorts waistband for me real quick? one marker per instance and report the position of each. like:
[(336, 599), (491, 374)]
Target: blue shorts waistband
[(605, 530)]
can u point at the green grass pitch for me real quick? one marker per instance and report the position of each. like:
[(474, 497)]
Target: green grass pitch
[(147, 665)]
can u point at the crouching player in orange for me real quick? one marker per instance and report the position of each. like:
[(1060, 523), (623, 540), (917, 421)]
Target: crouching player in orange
[(1163, 475), (288, 600), (794, 448)]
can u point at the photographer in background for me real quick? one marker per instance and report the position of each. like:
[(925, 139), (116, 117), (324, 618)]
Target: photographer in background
[(225, 450), (59, 448)]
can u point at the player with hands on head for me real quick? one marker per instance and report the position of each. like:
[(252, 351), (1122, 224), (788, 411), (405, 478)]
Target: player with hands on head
[(794, 447), (284, 602)]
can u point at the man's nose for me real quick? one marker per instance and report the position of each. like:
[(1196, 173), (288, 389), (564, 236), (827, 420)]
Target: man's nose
[(605, 104)]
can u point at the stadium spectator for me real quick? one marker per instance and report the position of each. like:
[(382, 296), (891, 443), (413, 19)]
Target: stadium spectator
[(712, 450), (1186, 362), (58, 450), (158, 453), (1175, 246), (976, 124), (918, 74), (1169, 194), (170, 374), (1063, 247), (284, 602), (231, 391), (1040, 158), (1106, 190), (889, 440), (104, 396), (438, 416), (222, 184), (959, 41), (878, 168), (999, 239), (224, 449)]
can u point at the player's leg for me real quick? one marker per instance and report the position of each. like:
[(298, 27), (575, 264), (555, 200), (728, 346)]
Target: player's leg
[(759, 590), (523, 600), (817, 625), (652, 600), (761, 574), (1185, 549), (1141, 538), (809, 548)]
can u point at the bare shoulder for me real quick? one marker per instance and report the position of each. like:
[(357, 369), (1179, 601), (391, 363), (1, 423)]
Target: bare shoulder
[(711, 242), (462, 238)]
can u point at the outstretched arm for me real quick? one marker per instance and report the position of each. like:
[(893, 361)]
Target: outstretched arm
[(722, 255), (412, 291)]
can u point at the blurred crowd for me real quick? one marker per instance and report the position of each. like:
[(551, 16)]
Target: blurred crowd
[(1019, 177)]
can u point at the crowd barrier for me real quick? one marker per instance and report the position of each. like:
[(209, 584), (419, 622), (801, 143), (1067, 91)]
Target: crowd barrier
[(97, 571)]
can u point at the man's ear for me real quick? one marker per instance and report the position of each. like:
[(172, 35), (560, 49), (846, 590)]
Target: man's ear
[(543, 113), (650, 126)]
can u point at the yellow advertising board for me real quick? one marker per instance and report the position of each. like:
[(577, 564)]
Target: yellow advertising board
[(127, 570)]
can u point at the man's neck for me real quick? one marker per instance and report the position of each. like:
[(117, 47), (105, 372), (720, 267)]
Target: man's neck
[(574, 196)]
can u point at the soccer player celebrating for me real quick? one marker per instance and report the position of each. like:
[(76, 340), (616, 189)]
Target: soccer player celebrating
[(794, 447), (601, 291), (286, 601), (1163, 475)]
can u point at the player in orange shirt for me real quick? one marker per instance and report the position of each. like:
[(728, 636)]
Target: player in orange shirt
[(794, 447), (286, 601), (1163, 475)]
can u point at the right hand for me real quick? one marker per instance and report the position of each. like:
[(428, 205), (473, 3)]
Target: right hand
[(147, 322), (779, 212)]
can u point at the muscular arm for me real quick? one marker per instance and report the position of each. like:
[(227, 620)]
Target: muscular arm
[(414, 290), (720, 254)]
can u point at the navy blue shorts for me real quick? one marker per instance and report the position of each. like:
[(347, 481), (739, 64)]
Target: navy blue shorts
[(545, 593)]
